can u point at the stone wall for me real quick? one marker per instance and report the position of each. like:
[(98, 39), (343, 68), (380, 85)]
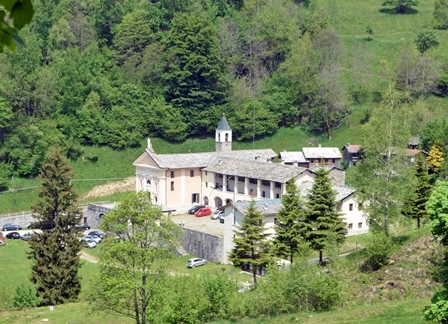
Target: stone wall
[(23, 219), (203, 245), (95, 211)]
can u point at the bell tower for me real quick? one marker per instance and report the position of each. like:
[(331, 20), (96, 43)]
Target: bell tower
[(223, 135)]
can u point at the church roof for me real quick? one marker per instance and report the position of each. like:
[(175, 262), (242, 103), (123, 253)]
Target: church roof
[(223, 124), (256, 169), (201, 160)]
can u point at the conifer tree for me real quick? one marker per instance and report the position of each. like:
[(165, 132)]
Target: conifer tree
[(290, 227), (54, 252), (251, 242), (415, 206), (322, 214)]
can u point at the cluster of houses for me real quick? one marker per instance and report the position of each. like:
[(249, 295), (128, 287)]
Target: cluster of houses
[(228, 179)]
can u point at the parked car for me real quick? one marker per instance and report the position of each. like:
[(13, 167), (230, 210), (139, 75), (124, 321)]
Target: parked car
[(221, 218), (11, 227), (27, 236), (88, 243), (13, 235), (195, 262), (217, 213), (97, 239), (194, 209), (203, 212), (83, 226), (97, 233)]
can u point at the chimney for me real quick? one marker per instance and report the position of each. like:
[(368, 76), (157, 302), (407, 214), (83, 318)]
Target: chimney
[(149, 147)]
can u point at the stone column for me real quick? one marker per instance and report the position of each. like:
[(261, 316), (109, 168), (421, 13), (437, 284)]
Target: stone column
[(271, 190), (246, 186), (224, 182), (258, 188)]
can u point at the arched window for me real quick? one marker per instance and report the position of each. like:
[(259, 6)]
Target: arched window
[(148, 182), (227, 137), (219, 137)]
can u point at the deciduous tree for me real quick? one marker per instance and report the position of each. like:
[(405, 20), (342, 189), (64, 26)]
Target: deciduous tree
[(134, 259), (426, 40), (440, 13), (322, 214), (435, 158), (291, 227), (55, 251), (251, 242), (401, 6)]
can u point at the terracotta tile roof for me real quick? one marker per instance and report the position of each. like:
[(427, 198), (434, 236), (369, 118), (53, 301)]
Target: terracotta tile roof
[(412, 152)]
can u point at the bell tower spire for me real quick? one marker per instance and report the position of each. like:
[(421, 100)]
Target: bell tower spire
[(223, 135)]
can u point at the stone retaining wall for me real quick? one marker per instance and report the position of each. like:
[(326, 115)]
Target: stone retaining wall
[(203, 245)]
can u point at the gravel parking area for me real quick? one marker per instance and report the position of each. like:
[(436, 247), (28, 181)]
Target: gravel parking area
[(203, 224)]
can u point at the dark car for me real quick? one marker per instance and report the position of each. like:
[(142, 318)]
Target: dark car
[(13, 235), (194, 209), (97, 233), (11, 227), (83, 226), (221, 218)]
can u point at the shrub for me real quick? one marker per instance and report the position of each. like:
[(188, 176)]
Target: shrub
[(378, 252), (25, 296)]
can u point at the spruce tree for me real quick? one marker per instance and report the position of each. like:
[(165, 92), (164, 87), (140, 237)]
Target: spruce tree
[(54, 252), (290, 226), (322, 214), (252, 245), (415, 205)]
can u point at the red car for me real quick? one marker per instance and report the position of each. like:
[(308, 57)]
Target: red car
[(203, 212)]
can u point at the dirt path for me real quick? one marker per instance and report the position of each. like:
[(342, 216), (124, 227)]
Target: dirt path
[(88, 257), (109, 188)]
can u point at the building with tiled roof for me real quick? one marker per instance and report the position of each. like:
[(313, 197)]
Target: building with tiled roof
[(351, 153), (311, 156)]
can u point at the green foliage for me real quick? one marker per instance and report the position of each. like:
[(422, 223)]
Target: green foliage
[(426, 40), (378, 252), (252, 246), (437, 209), (134, 259), (195, 72), (382, 178), (415, 206), (290, 228), (322, 215), (401, 6), (14, 15), (369, 32), (440, 14), (54, 251), (25, 296)]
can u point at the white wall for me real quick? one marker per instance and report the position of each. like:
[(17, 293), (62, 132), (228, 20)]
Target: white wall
[(355, 216)]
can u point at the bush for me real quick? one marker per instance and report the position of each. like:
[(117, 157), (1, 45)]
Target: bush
[(25, 296), (378, 252)]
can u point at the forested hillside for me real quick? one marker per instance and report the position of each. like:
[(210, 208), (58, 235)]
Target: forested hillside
[(110, 72)]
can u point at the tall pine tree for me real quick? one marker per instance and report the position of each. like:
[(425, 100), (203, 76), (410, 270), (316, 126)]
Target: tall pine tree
[(54, 252), (322, 213), (415, 206), (252, 245), (290, 226)]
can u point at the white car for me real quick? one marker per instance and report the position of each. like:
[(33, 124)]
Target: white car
[(89, 243), (196, 262), (95, 238), (216, 214)]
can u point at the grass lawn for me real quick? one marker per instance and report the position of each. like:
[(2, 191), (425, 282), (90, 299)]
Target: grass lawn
[(403, 312)]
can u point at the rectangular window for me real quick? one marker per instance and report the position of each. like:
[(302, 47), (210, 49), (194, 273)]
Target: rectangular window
[(241, 179), (206, 185), (220, 176), (277, 196), (206, 172), (350, 207), (326, 160), (172, 174), (253, 181), (334, 160), (278, 185), (265, 183), (350, 226), (359, 225), (194, 198), (191, 173), (263, 194), (172, 185)]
